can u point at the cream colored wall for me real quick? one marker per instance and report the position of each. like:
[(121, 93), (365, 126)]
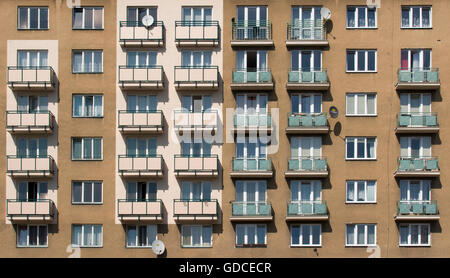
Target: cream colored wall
[(169, 99), (11, 104)]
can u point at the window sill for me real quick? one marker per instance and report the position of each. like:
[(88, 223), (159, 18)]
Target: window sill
[(73, 159), (17, 246), (77, 246), (252, 246), (355, 116), (87, 117), (33, 29), (81, 72), (87, 204), (305, 246), (190, 247), (360, 71), (86, 29), (416, 28), (360, 203), (360, 159), (361, 246), (414, 246), (363, 28)]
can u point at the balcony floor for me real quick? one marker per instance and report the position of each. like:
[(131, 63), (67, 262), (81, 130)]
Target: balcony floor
[(29, 129), (413, 217), (247, 218), (196, 218), (307, 218), (26, 86), (306, 174), (136, 85), (265, 43), (141, 218), (405, 130), (298, 86), (308, 130), (197, 43), (141, 174), (417, 86), (306, 43), (417, 174), (197, 174), (142, 43), (251, 174), (30, 218), (30, 174), (192, 86), (141, 129)]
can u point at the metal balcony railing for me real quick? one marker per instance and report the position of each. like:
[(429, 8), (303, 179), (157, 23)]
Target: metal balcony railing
[(196, 164), (31, 75), (196, 74), (129, 118), (182, 207), (197, 30), (252, 75), (136, 31), (136, 207), (252, 120), (21, 119), (141, 74), (39, 207), (308, 76), (307, 30), (251, 30), (190, 119)]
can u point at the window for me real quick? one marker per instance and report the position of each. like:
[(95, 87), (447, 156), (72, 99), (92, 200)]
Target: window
[(196, 103), (90, 106), (142, 103), (141, 147), (361, 104), (32, 147), (306, 23), (32, 58), (141, 235), (415, 235), (32, 236), (87, 18), (33, 18), (360, 234), (251, 61), (86, 148), (251, 192), (196, 14), (306, 147), (250, 235), (415, 103), (195, 147), (32, 191), (87, 235), (252, 23), (136, 14), (361, 191), (415, 147), (415, 191), (87, 192), (141, 59), (309, 191), (361, 17), (32, 104), (416, 59), (306, 103), (196, 236), (416, 17), (141, 191), (306, 60), (251, 104), (361, 60), (250, 147), (196, 58), (196, 191), (360, 148), (306, 235), (87, 61)]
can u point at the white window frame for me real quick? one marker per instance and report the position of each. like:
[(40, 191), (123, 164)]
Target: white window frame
[(147, 189), (40, 195), (259, 146), (422, 187), (419, 235), (28, 237), (246, 226), (421, 57), (147, 145), (149, 227), (300, 239), (355, 105), (313, 53), (202, 244), (83, 22), (411, 17), (38, 56), (203, 185), (29, 15), (83, 188), (192, 11), (257, 193), (83, 227), (422, 101), (299, 183), (297, 140), (245, 110), (365, 148), (357, 17), (202, 54), (28, 97), (366, 61), (148, 58), (83, 53), (312, 105), (38, 148), (82, 149), (421, 150), (355, 234), (244, 54), (354, 184), (83, 106)]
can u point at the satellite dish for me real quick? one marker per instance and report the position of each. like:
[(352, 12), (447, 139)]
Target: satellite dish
[(148, 20), (158, 247), (325, 13), (334, 112)]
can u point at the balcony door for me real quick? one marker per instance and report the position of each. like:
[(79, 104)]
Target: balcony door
[(141, 103), (141, 147), (251, 22), (306, 147), (196, 191), (415, 147), (306, 60), (32, 191), (136, 14), (251, 194), (141, 191), (196, 104), (251, 104), (415, 103), (306, 103), (196, 58), (196, 147), (416, 59), (306, 191), (32, 104), (141, 59), (32, 58), (305, 22), (415, 191), (32, 147)]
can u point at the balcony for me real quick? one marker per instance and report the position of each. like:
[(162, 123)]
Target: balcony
[(252, 122), (134, 34), (30, 167), (139, 210), (150, 122), (196, 77), (251, 33), (197, 33), (303, 123), (188, 121), (29, 122), (141, 78), (35, 211), (308, 80), (137, 167), (307, 167), (418, 79), (31, 78), (192, 166), (251, 211), (307, 211), (195, 210), (251, 168), (307, 33), (417, 123), (252, 79), (417, 210), (423, 167)]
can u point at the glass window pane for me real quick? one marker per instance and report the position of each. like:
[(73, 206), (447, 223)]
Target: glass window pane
[(87, 192), (251, 234), (362, 17), (87, 148), (88, 61), (98, 18), (350, 61), (371, 191), (405, 17), (295, 235), (426, 15), (206, 235), (97, 148), (77, 62), (416, 17), (371, 104), (360, 147), (414, 234), (361, 100), (350, 234), (361, 191), (361, 234), (240, 234), (98, 192), (131, 236), (351, 13), (22, 235), (361, 60), (32, 235), (261, 234), (34, 18), (97, 237), (305, 234), (371, 148), (424, 234), (88, 18), (350, 104), (43, 18), (371, 60), (350, 148), (404, 234), (350, 191), (316, 234), (42, 235), (23, 18), (76, 192), (98, 61), (371, 17), (77, 18)]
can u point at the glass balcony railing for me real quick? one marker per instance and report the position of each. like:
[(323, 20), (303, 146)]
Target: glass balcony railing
[(417, 208), (307, 30), (134, 32), (252, 164), (189, 119), (263, 120), (418, 75), (307, 120), (197, 31), (251, 208), (144, 75), (308, 164), (195, 207), (421, 164), (24, 120), (306, 208), (196, 75), (29, 208), (252, 75), (405, 119), (251, 30), (135, 207), (308, 76)]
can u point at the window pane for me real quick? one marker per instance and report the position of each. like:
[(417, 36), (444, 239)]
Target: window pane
[(42, 235), (87, 241), (350, 148), (305, 234), (87, 148), (206, 235), (22, 235), (33, 18), (261, 234), (251, 233), (371, 148), (370, 191), (97, 237), (88, 192), (360, 147), (371, 104), (424, 234), (43, 18), (350, 234), (98, 18), (240, 234), (98, 106), (361, 60), (77, 105), (186, 240), (88, 106), (77, 62), (350, 61), (88, 61), (131, 236), (295, 235), (76, 192), (350, 191), (416, 17), (32, 235), (23, 18), (98, 61), (361, 17), (350, 104), (371, 14), (361, 100), (351, 13), (76, 148), (361, 191), (426, 17), (414, 234), (77, 18), (97, 148), (361, 234), (405, 17), (316, 234), (371, 60), (88, 18), (371, 234), (76, 234)]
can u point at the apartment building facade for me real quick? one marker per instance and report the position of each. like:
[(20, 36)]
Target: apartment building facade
[(256, 128)]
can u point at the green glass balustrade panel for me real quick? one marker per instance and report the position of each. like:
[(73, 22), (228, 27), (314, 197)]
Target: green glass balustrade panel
[(431, 120), (294, 164), (404, 208), (418, 76), (320, 164), (306, 208), (320, 209), (430, 208), (294, 76), (405, 120), (320, 77), (417, 120), (264, 165), (251, 77), (405, 164), (320, 120), (294, 121), (419, 164), (307, 77), (252, 164), (432, 164), (404, 76), (292, 209), (307, 164), (250, 209), (238, 77), (307, 120), (238, 165), (264, 76), (264, 210), (417, 208), (238, 209), (252, 120), (239, 121), (433, 76)]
